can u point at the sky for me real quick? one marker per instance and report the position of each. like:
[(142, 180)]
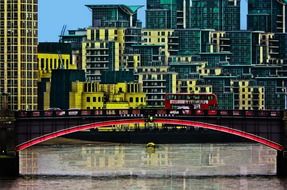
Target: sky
[(53, 14)]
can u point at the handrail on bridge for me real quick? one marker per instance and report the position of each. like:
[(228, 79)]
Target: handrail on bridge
[(150, 112)]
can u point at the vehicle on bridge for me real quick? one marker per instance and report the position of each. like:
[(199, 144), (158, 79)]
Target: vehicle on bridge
[(187, 101)]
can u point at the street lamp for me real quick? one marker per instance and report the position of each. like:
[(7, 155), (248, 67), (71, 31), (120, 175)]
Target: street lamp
[(4, 100)]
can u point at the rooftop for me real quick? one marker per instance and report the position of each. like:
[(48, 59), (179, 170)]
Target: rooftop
[(129, 9)]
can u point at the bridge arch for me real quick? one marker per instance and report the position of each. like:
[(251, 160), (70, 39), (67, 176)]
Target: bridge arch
[(214, 127)]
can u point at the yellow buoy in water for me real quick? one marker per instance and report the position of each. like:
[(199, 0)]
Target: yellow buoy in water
[(150, 145)]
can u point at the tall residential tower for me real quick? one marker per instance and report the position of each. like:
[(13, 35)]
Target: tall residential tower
[(267, 15), (194, 14), (18, 53), (215, 14)]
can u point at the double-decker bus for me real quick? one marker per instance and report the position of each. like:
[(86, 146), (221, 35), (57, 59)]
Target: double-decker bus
[(206, 101)]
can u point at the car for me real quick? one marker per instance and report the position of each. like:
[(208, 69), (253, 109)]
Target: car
[(58, 111), (73, 111), (199, 112), (249, 113), (185, 110), (174, 112), (224, 112), (212, 112), (274, 113), (35, 113)]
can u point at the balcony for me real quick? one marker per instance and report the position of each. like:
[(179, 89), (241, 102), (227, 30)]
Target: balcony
[(151, 80), (97, 68), (151, 87), (97, 55), (98, 61)]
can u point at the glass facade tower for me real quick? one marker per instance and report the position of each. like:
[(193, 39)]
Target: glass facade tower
[(195, 14), (267, 15), (215, 14)]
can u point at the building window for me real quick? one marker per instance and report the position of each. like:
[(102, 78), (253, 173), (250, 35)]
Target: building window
[(120, 90), (137, 99), (131, 99), (88, 99), (94, 99), (99, 99)]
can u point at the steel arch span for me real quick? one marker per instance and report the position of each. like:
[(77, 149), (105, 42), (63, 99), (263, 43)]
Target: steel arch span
[(214, 127)]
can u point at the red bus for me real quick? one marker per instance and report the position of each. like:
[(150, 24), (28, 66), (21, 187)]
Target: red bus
[(206, 101)]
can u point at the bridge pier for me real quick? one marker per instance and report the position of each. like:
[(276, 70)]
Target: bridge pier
[(282, 155), (282, 163), (9, 159)]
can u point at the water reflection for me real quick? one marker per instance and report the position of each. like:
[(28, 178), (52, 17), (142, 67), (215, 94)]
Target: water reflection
[(132, 167), (134, 160), (208, 183)]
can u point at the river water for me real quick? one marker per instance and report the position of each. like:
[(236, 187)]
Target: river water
[(134, 167)]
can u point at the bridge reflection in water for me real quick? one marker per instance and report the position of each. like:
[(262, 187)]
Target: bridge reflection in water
[(174, 160)]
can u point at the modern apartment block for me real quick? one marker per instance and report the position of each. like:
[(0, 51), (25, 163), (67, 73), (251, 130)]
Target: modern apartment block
[(267, 15), (196, 14), (214, 14), (108, 44), (167, 14), (101, 51), (18, 53), (188, 46), (156, 82), (75, 38), (115, 15)]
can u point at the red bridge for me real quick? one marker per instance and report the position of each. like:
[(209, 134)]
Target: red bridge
[(265, 127)]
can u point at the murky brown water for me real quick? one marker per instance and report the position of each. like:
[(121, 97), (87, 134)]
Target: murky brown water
[(174, 166)]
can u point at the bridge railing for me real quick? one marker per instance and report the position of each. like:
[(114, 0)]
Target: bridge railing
[(148, 112)]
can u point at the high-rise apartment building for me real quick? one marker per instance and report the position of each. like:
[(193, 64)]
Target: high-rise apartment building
[(18, 53), (196, 14), (267, 15), (167, 14), (115, 15), (215, 14)]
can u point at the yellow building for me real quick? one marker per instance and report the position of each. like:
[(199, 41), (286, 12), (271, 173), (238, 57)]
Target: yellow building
[(192, 86), (131, 62), (157, 81), (268, 49), (18, 53), (203, 70), (218, 42), (102, 50), (158, 37), (93, 95), (248, 96), (53, 55)]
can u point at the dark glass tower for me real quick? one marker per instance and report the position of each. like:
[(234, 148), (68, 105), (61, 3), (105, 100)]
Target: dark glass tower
[(267, 15), (114, 15), (214, 14), (167, 14), (197, 14)]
